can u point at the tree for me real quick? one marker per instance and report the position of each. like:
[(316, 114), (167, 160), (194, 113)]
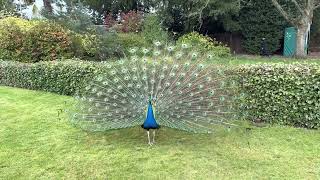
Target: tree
[(315, 30), (300, 14), (190, 15), (176, 15), (259, 19), (100, 8)]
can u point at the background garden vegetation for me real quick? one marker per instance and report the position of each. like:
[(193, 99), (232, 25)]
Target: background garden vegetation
[(61, 52)]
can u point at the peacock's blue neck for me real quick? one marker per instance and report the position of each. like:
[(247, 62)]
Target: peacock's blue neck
[(150, 122)]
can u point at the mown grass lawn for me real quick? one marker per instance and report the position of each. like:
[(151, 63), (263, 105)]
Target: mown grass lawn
[(36, 143)]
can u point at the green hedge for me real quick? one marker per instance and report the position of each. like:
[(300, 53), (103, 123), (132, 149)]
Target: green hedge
[(62, 77), (282, 94)]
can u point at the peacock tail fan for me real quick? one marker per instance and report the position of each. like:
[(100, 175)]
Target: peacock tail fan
[(186, 92)]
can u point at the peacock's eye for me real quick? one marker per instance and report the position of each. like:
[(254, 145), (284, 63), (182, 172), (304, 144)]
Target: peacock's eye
[(184, 46), (132, 50), (170, 48), (145, 50), (157, 43)]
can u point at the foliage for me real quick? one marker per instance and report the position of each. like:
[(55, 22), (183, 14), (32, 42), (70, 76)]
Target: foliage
[(24, 25), (131, 21), (76, 19), (282, 94), (178, 15), (204, 44), (131, 40), (109, 21), (259, 19), (315, 30), (33, 41), (295, 12), (47, 41), (62, 77), (88, 41), (128, 22), (99, 44), (299, 13), (7, 7), (8, 13), (103, 7), (186, 16), (11, 39), (153, 30)]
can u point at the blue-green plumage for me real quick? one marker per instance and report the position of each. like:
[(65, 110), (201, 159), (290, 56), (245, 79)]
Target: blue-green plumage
[(150, 122)]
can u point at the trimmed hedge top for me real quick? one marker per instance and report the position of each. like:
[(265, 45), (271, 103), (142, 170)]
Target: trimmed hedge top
[(287, 94), (62, 77), (282, 93)]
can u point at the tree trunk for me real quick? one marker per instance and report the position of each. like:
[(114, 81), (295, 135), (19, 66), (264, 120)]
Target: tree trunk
[(302, 35), (300, 51)]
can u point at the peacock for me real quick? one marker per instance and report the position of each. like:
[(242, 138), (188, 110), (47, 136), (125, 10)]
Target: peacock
[(161, 86)]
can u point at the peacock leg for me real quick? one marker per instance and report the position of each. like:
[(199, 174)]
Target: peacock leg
[(154, 135), (149, 142)]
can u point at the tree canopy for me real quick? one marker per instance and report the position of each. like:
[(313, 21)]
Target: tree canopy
[(178, 15)]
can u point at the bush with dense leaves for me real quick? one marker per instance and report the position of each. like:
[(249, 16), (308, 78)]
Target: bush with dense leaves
[(33, 41), (131, 40), (152, 29), (204, 44), (98, 45), (62, 77), (282, 94), (128, 22), (47, 41), (8, 13)]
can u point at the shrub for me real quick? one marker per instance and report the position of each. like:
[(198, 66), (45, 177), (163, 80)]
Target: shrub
[(8, 13), (89, 42), (129, 22), (204, 44), (100, 45), (47, 41), (152, 29), (282, 94), (109, 21), (62, 77), (131, 40), (24, 25), (11, 39), (33, 41), (7, 9)]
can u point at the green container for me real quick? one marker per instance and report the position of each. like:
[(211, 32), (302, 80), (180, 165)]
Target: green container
[(290, 39)]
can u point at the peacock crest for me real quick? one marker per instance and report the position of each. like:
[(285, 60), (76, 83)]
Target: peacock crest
[(183, 90)]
